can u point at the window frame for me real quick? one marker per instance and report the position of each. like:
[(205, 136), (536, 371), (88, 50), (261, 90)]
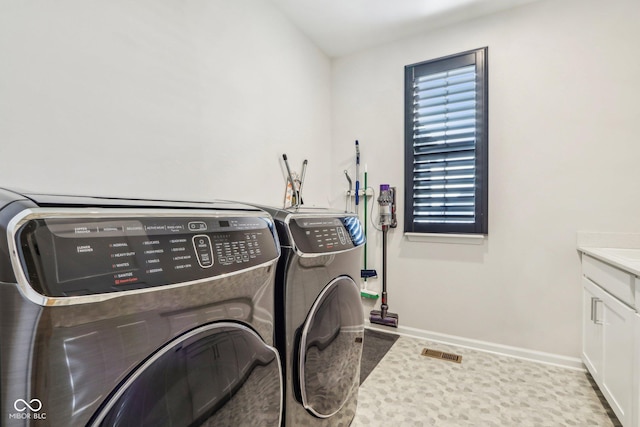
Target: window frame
[(481, 190)]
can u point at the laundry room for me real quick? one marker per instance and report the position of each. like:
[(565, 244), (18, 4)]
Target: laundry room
[(201, 101)]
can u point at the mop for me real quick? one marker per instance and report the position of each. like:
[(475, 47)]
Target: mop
[(357, 196)]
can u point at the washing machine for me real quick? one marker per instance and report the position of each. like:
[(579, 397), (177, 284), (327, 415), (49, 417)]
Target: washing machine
[(137, 313), (319, 314)]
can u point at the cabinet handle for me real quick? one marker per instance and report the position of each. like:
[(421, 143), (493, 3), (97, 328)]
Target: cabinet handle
[(594, 311)]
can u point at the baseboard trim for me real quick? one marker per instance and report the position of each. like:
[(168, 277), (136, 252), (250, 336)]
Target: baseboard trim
[(573, 363)]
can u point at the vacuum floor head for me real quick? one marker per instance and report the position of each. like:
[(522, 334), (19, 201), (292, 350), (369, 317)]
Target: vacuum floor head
[(390, 319)]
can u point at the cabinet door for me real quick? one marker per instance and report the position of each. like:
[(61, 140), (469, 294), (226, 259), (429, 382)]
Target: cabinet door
[(592, 330), (617, 368), (636, 364)]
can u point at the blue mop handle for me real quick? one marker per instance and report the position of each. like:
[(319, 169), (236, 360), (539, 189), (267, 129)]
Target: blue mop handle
[(357, 175)]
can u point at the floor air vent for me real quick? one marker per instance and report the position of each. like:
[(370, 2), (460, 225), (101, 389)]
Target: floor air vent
[(442, 355)]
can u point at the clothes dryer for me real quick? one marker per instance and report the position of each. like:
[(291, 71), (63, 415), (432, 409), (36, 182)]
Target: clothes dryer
[(136, 313), (320, 320)]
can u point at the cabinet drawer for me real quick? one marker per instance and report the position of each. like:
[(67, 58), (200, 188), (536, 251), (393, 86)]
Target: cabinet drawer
[(615, 281), (637, 304)]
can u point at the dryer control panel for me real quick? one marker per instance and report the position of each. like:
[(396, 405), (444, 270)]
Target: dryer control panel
[(326, 234), (87, 256)]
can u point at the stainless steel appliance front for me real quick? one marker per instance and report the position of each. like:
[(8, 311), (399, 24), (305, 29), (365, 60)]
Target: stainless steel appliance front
[(137, 315), (320, 320)]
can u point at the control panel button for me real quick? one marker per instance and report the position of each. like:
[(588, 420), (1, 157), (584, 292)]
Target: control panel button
[(202, 245), (342, 236), (197, 226)]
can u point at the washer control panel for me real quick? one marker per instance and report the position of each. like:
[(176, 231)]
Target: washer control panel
[(71, 257), (323, 234)]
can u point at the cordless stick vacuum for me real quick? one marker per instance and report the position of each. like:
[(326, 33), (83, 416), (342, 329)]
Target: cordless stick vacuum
[(382, 316)]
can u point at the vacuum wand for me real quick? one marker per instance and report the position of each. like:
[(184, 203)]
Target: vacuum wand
[(293, 184), (302, 175), (384, 307)]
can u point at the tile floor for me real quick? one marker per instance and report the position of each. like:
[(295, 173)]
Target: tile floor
[(408, 389)]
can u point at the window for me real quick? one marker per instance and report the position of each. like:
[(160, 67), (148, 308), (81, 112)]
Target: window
[(446, 132)]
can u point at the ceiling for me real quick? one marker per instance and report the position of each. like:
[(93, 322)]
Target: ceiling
[(340, 27)]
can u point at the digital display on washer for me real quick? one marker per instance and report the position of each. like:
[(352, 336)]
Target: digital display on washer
[(66, 257), (319, 235)]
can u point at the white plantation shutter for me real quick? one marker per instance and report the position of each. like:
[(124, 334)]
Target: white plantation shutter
[(446, 145)]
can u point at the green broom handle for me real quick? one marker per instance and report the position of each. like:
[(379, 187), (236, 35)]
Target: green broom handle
[(364, 197)]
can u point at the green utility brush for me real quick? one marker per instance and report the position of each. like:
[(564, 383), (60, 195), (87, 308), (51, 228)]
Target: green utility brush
[(366, 293), (366, 273)]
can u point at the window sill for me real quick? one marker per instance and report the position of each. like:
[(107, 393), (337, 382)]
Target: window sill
[(460, 239)]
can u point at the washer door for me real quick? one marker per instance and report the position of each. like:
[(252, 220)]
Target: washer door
[(218, 374), (331, 347)]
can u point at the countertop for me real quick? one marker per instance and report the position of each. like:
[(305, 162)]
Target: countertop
[(622, 250), (627, 259)]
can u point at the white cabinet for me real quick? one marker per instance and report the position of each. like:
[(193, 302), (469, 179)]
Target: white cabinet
[(609, 344)]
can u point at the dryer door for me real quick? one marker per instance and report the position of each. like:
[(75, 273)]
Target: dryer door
[(218, 374), (331, 347)]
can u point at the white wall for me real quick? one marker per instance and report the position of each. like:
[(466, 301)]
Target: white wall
[(160, 98), (199, 99), (563, 156)]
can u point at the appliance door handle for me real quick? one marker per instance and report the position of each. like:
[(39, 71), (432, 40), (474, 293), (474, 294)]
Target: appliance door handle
[(594, 311)]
